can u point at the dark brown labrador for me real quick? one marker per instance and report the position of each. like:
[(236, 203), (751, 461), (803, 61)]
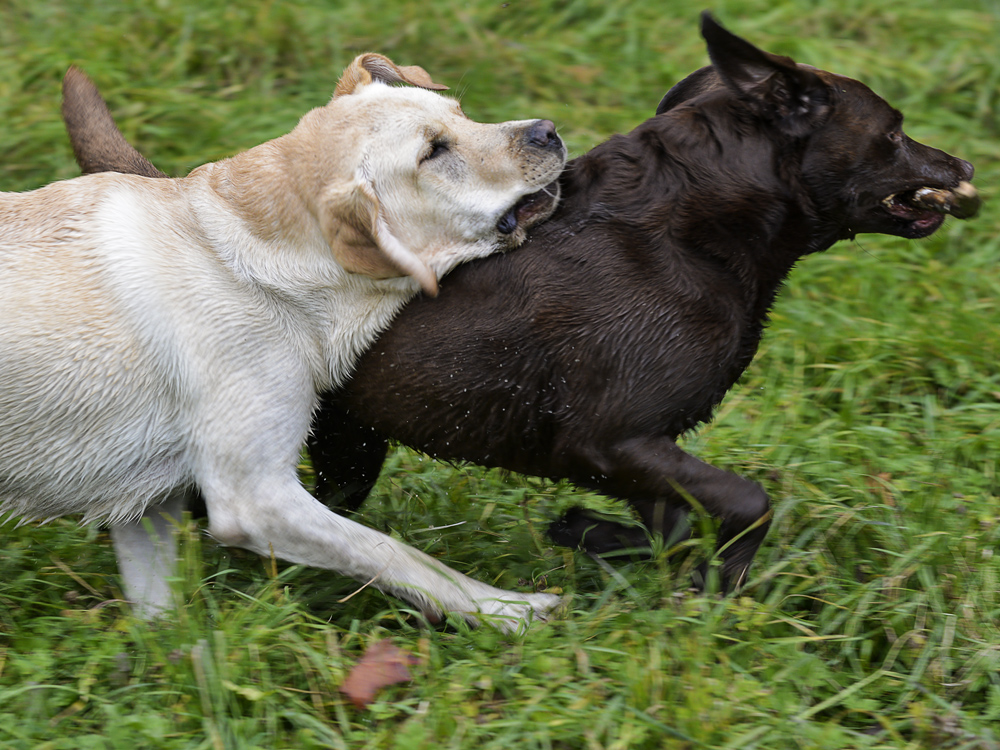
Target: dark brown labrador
[(624, 319)]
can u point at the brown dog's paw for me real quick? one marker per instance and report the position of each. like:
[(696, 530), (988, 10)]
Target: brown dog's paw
[(595, 533)]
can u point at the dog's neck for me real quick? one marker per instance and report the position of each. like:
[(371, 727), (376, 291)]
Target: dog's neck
[(255, 185), (272, 242), (743, 219)]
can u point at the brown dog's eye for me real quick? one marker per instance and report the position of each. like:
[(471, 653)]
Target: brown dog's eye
[(896, 136), (437, 149)]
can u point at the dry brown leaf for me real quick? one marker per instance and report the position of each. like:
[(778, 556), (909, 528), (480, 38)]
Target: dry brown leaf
[(383, 664)]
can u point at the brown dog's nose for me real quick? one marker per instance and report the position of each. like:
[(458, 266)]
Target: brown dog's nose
[(543, 134)]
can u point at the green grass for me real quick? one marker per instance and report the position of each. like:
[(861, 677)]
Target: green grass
[(871, 415)]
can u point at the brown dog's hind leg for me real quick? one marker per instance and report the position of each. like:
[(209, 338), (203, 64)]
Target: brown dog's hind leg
[(645, 468)]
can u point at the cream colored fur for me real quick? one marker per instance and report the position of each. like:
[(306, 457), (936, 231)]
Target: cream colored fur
[(158, 335)]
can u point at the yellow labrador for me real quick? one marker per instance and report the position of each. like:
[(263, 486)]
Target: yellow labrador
[(158, 335)]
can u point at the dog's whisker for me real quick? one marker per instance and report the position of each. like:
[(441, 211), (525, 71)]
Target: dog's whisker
[(863, 249)]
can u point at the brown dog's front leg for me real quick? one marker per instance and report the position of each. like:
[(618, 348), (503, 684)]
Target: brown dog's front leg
[(346, 455), (644, 468)]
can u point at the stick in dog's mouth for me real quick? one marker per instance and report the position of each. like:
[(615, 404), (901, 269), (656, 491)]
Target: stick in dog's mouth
[(962, 201), (530, 206)]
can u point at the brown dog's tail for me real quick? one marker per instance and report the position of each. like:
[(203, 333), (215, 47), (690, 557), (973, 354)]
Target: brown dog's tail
[(97, 142)]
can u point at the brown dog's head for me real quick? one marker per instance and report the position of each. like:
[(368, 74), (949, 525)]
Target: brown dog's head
[(861, 171)]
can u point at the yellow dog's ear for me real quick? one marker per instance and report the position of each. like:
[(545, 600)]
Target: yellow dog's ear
[(373, 67), (362, 242)]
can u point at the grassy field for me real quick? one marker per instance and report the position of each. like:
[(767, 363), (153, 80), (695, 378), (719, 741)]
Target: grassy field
[(871, 415)]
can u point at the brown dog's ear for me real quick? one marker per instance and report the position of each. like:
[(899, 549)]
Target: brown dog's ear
[(373, 67), (793, 98), (362, 242)]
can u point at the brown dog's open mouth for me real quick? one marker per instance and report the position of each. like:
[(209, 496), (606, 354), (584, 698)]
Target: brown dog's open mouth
[(925, 208), (529, 209)]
